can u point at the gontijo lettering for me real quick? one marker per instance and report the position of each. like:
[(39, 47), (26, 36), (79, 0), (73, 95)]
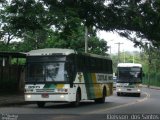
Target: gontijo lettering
[(102, 77)]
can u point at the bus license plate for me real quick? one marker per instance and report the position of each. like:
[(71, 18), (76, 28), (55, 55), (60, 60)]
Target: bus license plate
[(128, 89), (45, 95)]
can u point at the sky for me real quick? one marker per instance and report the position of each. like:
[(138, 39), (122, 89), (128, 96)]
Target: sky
[(112, 38)]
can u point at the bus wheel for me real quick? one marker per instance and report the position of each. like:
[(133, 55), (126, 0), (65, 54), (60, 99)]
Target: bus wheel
[(118, 94), (138, 94), (78, 98), (40, 104)]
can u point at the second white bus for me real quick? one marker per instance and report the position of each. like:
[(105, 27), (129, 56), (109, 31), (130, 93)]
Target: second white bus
[(129, 78)]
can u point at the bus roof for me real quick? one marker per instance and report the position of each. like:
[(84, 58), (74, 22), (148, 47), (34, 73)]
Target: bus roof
[(50, 51), (129, 65), (60, 51), (97, 56)]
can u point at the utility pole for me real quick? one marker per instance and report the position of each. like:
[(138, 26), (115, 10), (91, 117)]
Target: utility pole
[(110, 49), (119, 44), (86, 36), (86, 39), (149, 62), (133, 58), (124, 56), (109, 46)]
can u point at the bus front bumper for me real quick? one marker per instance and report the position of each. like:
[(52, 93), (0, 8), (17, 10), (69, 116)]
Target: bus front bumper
[(48, 97), (128, 90)]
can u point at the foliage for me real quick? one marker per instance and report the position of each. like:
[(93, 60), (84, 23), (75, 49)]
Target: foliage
[(34, 18), (114, 14), (141, 16), (60, 23), (46, 25)]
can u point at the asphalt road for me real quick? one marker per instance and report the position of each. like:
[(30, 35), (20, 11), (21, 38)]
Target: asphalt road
[(148, 103)]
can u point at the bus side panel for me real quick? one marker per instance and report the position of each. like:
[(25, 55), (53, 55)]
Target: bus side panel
[(79, 82), (90, 89), (110, 89), (93, 88), (97, 87), (89, 85)]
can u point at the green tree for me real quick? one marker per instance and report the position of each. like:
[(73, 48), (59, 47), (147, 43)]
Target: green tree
[(121, 15), (48, 26)]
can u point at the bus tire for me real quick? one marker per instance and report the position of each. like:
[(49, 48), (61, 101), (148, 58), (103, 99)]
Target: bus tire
[(101, 100), (118, 94), (138, 94), (78, 98), (40, 104)]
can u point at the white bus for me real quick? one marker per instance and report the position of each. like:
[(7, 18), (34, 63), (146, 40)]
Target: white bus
[(63, 75), (129, 78)]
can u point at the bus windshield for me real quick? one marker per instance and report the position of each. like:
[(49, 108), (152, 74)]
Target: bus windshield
[(46, 72), (129, 74)]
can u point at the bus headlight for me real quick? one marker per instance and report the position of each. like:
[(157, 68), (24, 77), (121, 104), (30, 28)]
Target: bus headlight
[(62, 96), (28, 96), (138, 90), (119, 89)]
